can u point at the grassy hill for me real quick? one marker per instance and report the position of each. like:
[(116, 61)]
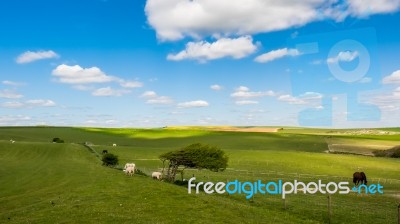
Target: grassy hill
[(53, 183)]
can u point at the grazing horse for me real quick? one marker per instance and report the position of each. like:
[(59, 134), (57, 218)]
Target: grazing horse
[(359, 177)]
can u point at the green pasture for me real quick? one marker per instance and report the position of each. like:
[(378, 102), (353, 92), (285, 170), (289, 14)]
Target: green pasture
[(42, 182)]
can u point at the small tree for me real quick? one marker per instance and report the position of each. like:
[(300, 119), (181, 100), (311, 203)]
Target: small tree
[(110, 159), (198, 156)]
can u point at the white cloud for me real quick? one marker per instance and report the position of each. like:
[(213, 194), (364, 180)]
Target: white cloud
[(242, 89), (153, 98), (388, 101), (246, 102), (191, 104), (394, 78), (30, 56), (224, 47), (29, 104), (9, 120), (306, 98), (13, 104), (108, 91), (149, 94), (244, 92), (160, 100), (216, 87), (78, 75), (10, 94), (131, 84), (346, 56), (363, 8), (276, 54), (291, 99), (83, 87), (11, 83), (40, 103), (176, 19)]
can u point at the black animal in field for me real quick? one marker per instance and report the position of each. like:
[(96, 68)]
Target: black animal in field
[(359, 177), (105, 151)]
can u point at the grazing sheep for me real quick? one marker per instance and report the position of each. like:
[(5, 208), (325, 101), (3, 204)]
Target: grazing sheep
[(114, 145), (156, 175), (129, 169)]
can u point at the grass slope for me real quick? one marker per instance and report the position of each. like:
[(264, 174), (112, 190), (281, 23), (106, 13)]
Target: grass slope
[(51, 183)]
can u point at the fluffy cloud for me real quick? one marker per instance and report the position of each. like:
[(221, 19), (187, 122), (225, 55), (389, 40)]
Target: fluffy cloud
[(306, 98), (362, 8), (108, 91), (224, 47), (276, 54), (40, 103), (243, 92), (246, 102), (177, 19), (30, 56), (388, 101), (12, 104), (191, 104), (130, 84), (29, 104), (346, 56), (10, 94), (13, 119), (78, 75), (11, 83), (216, 87), (394, 78), (153, 98)]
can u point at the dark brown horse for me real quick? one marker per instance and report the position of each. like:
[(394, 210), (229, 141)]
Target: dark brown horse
[(359, 177)]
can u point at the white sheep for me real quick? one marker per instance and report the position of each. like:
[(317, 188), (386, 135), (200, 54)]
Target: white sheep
[(114, 145), (156, 175), (129, 169)]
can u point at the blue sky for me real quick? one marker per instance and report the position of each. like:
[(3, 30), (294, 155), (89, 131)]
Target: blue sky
[(136, 63)]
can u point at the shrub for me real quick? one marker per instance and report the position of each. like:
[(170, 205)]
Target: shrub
[(393, 152), (58, 140), (396, 153), (110, 159)]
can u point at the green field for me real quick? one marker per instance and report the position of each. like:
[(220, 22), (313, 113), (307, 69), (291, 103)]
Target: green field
[(42, 182)]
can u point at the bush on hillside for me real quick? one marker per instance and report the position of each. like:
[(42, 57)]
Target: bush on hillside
[(393, 152), (58, 140), (110, 159)]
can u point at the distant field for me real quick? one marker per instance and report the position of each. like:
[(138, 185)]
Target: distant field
[(62, 183)]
